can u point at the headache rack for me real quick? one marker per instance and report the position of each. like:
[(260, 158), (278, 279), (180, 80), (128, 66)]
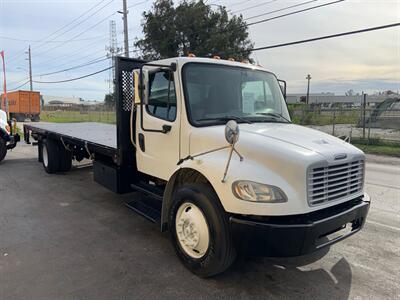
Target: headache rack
[(335, 182)]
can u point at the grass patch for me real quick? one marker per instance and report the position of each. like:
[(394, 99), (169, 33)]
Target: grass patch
[(78, 116), (378, 146)]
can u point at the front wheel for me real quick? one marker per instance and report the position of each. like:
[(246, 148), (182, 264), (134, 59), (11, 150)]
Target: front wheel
[(200, 230), (3, 149)]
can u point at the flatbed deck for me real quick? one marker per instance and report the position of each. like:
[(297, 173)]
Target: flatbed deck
[(95, 135)]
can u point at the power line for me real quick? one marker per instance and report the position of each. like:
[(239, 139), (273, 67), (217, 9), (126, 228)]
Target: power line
[(325, 37), (91, 27), (38, 41), (16, 82), (137, 4), (76, 52), (58, 30), (77, 60), (295, 12), (254, 6), (77, 18), (73, 79), (79, 23), (14, 89), (79, 34), (95, 61), (237, 3), (74, 38), (281, 16), (281, 9)]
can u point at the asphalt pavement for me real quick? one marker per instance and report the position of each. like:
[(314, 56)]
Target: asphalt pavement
[(65, 237)]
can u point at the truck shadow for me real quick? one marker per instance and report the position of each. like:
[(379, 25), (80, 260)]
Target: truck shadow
[(288, 278)]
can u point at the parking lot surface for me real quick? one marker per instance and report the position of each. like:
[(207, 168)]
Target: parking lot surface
[(65, 237)]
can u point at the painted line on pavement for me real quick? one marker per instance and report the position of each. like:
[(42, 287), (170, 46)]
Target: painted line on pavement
[(384, 225), (383, 185)]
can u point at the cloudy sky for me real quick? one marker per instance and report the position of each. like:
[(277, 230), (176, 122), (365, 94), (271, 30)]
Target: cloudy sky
[(62, 35)]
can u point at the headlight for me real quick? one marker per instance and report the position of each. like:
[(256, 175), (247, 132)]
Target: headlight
[(258, 192)]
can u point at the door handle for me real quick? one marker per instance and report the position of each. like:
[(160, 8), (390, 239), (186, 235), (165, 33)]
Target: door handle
[(141, 142), (166, 128)]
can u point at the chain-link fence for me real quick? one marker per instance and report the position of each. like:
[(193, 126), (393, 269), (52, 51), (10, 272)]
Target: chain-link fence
[(96, 113), (368, 123)]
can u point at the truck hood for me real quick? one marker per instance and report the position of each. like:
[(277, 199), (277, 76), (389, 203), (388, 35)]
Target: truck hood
[(303, 137), (287, 137)]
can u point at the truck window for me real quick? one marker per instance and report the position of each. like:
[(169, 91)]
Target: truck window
[(162, 98), (256, 96), (214, 92)]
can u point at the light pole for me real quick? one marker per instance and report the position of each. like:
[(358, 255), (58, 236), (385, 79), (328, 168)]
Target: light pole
[(124, 13), (308, 88)]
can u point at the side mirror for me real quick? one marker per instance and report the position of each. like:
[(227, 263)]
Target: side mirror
[(282, 85), (141, 87), (232, 132), (145, 87), (136, 84)]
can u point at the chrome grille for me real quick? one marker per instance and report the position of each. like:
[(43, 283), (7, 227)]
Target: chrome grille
[(334, 182)]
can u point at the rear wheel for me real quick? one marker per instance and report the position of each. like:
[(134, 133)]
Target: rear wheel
[(3, 149), (200, 231), (50, 157)]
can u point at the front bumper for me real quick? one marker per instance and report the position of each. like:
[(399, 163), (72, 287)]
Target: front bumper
[(300, 234), (12, 141)]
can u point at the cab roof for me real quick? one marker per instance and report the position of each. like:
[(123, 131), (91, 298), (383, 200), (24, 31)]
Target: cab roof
[(185, 59)]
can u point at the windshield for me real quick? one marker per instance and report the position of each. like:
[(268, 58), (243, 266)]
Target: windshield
[(215, 93)]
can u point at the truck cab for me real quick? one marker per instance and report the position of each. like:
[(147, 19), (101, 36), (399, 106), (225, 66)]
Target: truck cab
[(8, 135), (212, 143), (280, 192)]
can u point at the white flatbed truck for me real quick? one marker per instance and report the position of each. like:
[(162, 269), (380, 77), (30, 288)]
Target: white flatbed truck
[(277, 189), (9, 136)]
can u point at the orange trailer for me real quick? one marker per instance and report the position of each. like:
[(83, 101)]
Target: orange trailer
[(24, 105)]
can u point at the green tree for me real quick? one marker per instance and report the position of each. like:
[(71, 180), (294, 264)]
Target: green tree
[(192, 27), (109, 100)]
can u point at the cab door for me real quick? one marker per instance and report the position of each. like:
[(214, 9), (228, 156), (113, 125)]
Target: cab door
[(157, 136)]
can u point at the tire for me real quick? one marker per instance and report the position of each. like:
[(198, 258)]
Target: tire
[(35, 118), (3, 149), (50, 156), (191, 203)]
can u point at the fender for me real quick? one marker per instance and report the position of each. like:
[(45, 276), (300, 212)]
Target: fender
[(211, 167)]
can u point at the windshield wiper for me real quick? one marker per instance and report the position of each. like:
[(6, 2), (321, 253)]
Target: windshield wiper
[(274, 115), (226, 118)]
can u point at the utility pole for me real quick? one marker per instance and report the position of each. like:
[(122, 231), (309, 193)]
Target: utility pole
[(308, 88), (125, 18), (30, 68)]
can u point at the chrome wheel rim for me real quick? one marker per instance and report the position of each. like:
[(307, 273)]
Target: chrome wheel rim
[(45, 156), (192, 230)]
